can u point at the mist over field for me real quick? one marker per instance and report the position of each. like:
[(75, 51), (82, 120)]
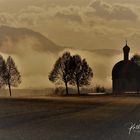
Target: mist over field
[(36, 33), (35, 56)]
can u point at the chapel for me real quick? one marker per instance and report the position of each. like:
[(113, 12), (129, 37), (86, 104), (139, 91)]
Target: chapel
[(126, 75)]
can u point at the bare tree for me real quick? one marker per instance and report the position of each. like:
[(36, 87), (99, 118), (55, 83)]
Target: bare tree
[(11, 75), (2, 71), (81, 73), (136, 59), (61, 70)]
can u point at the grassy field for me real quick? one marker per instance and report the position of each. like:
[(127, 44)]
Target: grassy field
[(69, 118)]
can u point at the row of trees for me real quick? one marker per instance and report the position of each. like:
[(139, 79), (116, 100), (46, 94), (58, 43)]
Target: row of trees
[(71, 70), (9, 74)]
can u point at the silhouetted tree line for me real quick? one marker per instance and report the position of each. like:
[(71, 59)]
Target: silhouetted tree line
[(9, 74), (71, 70)]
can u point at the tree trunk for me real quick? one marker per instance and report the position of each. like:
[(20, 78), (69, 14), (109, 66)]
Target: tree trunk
[(78, 89), (10, 89), (66, 84)]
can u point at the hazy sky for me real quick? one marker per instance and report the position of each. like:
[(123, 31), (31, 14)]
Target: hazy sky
[(79, 24)]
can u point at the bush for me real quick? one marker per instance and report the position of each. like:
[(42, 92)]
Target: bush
[(59, 91), (100, 89)]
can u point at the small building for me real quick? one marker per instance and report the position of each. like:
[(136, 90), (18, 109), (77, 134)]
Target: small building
[(126, 75)]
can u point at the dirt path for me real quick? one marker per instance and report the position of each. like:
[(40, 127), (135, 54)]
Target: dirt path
[(98, 118)]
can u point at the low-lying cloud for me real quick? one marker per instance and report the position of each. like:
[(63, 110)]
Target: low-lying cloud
[(35, 62)]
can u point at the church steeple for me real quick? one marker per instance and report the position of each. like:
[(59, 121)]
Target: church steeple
[(126, 51), (126, 43)]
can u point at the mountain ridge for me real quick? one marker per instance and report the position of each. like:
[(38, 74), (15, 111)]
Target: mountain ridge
[(39, 42)]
